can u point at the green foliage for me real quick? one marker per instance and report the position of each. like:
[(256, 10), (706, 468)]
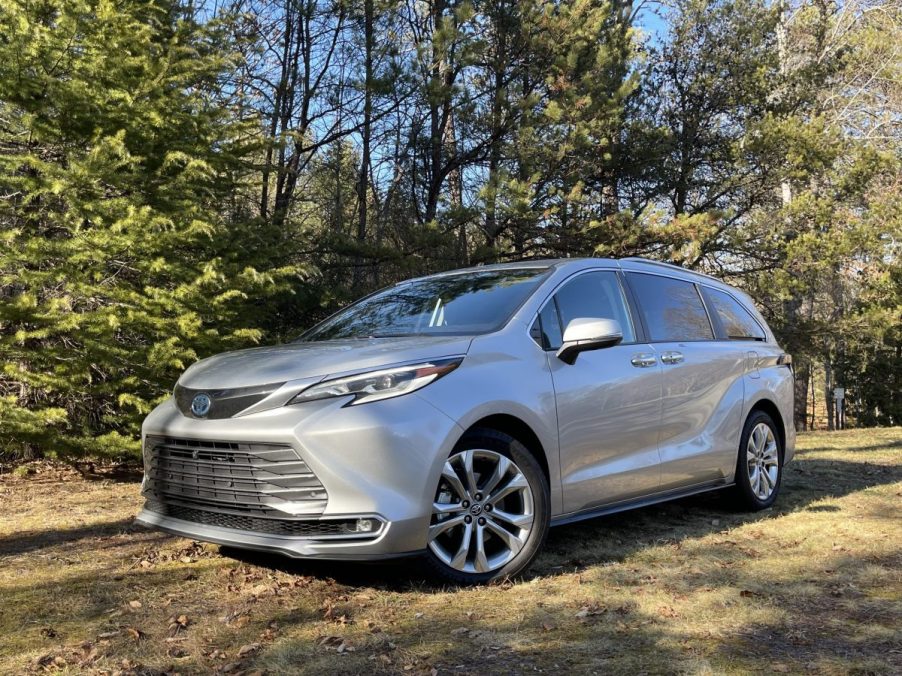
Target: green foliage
[(118, 265), (176, 180)]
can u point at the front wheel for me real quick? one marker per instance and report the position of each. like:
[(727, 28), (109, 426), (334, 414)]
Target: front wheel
[(759, 468), (490, 513)]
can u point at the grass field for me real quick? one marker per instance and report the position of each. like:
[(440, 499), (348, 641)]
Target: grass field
[(812, 586)]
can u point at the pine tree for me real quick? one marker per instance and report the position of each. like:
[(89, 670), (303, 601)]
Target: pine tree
[(121, 261)]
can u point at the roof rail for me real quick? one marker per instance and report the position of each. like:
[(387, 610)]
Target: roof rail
[(649, 261)]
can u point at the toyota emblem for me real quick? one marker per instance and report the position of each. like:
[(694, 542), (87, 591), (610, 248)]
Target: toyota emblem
[(201, 404)]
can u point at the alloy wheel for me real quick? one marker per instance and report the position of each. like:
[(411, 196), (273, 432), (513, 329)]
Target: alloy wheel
[(762, 461), (482, 513)]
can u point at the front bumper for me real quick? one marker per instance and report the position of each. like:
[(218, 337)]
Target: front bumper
[(389, 543), (380, 460)]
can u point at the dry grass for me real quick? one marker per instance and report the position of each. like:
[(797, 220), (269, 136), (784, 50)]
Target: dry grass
[(812, 586)]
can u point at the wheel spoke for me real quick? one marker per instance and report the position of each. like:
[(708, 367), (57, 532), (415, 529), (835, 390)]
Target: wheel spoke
[(442, 526), (514, 543), (468, 472), (500, 470), (446, 507), (481, 562), (770, 452), (450, 476), (521, 521), (755, 479), (460, 557), (769, 481), (516, 483)]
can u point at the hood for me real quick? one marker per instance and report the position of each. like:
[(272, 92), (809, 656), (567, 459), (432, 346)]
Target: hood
[(281, 363)]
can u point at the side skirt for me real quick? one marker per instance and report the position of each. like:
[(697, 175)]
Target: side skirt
[(627, 505)]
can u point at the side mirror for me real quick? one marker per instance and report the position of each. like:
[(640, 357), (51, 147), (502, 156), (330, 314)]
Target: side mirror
[(587, 333)]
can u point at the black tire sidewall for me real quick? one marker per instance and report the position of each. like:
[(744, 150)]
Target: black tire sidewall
[(492, 440), (744, 492)]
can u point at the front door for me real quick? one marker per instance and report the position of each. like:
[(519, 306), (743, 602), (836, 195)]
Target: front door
[(608, 401)]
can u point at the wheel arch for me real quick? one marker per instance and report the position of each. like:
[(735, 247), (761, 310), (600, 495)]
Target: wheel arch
[(519, 430), (771, 408)]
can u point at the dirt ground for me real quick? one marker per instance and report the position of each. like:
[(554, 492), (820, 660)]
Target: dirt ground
[(812, 586)]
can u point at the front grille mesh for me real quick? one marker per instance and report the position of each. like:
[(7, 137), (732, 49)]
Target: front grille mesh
[(287, 527), (237, 479)]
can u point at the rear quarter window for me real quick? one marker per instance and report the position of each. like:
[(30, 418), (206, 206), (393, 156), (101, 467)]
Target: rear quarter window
[(736, 322)]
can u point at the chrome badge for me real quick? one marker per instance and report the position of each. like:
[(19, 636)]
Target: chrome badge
[(201, 404)]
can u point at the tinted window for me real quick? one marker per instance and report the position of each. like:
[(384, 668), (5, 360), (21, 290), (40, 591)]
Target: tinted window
[(594, 294), (672, 308), (462, 304), (737, 322)]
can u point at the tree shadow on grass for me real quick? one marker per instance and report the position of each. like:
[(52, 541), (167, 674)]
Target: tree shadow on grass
[(28, 541)]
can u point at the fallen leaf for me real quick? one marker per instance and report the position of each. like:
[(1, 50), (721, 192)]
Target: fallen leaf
[(249, 649), (135, 633), (134, 604), (330, 641)]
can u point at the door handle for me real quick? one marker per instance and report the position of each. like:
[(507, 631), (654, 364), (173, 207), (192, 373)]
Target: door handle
[(644, 360), (672, 357)]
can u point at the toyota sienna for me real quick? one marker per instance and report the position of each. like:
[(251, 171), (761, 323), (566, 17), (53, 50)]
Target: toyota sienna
[(460, 415)]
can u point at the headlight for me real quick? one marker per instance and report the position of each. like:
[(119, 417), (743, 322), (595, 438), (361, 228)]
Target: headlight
[(381, 384)]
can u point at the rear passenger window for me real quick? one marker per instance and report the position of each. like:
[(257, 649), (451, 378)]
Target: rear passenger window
[(672, 308), (737, 322), (594, 294)]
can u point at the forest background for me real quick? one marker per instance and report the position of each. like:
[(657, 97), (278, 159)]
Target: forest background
[(180, 177)]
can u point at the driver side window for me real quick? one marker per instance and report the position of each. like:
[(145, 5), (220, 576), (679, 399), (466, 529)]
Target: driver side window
[(593, 294)]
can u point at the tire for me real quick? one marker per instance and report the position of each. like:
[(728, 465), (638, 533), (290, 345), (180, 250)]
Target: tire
[(759, 465), (466, 540)]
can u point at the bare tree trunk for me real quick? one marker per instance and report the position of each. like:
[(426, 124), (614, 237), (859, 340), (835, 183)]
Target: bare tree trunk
[(441, 78), (366, 131), (828, 393), (802, 380)]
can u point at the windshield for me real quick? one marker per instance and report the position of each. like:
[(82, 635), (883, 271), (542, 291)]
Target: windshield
[(458, 304)]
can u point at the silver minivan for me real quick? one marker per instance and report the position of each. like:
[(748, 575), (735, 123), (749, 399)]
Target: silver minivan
[(460, 415)]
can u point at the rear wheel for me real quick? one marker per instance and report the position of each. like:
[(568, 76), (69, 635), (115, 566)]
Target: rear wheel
[(759, 468), (490, 512)]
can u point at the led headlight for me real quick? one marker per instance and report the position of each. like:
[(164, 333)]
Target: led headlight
[(381, 384)]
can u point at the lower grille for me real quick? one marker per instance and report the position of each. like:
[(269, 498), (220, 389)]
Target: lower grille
[(287, 527), (235, 478)]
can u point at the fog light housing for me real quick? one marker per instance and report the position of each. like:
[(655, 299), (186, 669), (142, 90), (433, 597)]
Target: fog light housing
[(360, 526)]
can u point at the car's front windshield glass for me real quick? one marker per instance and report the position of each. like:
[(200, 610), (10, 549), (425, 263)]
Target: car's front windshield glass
[(466, 303)]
